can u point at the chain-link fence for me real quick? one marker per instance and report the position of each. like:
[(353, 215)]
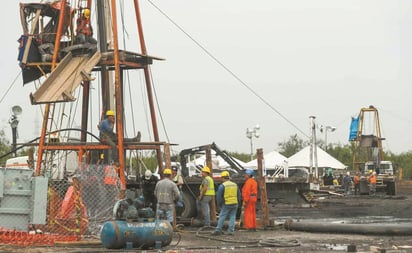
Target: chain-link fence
[(42, 210)]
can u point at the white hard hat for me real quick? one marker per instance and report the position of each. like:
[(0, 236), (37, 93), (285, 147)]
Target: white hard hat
[(147, 174)]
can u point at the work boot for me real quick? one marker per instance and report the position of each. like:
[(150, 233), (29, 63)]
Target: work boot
[(217, 233), (135, 139), (138, 137)]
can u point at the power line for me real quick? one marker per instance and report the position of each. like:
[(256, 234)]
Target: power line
[(244, 84), (11, 85)]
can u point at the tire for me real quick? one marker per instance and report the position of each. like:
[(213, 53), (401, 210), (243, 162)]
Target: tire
[(189, 206)]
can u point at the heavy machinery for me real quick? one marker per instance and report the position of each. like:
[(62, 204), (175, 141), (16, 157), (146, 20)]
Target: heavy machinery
[(368, 155), (288, 191), (192, 176)]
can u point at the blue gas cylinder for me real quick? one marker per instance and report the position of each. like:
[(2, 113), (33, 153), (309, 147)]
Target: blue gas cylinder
[(116, 234)]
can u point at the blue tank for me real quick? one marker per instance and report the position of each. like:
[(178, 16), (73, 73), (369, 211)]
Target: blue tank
[(119, 234)]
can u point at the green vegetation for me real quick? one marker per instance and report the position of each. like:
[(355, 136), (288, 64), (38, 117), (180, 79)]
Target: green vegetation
[(287, 148), (343, 153)]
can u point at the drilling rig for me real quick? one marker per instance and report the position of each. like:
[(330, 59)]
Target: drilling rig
[(368, 152)]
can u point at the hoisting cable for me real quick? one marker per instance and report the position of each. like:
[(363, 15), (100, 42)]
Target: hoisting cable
[(158, 107), (244, 84), (11, 85)]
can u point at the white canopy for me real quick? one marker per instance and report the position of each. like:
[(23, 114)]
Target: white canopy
[(302, 159), (217, 162), (273, 160)]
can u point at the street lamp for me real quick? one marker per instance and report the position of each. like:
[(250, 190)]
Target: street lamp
[(326, 129), (14, 122), (250, 132)]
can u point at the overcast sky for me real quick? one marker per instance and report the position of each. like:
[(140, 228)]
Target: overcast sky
[(233, 64)]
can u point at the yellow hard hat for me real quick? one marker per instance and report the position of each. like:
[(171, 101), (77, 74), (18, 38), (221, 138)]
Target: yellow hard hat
[(110, 113), (370, 171), (86, 13), (206, 169), (167, 172), (224, 174)]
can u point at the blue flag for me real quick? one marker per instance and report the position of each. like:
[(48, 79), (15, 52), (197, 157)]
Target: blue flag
[(353, 131)]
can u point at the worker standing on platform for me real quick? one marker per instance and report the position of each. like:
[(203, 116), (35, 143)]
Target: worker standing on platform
[(207, 191), (249, 195)]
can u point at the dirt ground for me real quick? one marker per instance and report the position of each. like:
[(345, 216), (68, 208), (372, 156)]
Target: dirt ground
[(324, 208)]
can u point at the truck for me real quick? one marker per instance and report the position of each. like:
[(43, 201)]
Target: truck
[(385, 179)]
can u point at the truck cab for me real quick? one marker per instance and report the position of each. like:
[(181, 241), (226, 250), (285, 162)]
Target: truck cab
[(384, 168)]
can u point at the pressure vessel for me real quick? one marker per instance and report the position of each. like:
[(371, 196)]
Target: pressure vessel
[(118, 234)]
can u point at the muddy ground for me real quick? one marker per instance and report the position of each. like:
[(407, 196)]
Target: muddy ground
[(324, 208)]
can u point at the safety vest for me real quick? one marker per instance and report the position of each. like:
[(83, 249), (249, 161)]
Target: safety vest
[(83, 27), (356, 180), (110, 176), (230, 194), (372, 179), (211, 187)]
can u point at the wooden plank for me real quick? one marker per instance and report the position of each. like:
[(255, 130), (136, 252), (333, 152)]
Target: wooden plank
[(30, 37), (45, 89), (65, 79)]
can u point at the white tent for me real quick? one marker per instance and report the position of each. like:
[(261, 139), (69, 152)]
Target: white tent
[(274, 164), (302, 159), (273, 160), (217, 162)]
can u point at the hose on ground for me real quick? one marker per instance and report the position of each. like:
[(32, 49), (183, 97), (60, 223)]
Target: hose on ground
[(273, 242)]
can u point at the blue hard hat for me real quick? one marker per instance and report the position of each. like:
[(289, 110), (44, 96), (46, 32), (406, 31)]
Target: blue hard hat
[(249, 172)]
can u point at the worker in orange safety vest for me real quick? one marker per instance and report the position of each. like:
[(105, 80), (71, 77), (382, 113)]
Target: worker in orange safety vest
[(372, 182), (110, 175), (249, 195)]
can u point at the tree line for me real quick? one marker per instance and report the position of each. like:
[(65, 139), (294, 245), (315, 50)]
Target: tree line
[(289, 147), (343, 153)]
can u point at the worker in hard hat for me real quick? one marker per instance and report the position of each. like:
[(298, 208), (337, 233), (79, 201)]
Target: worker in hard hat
[(372, 182), (167, 195), (108, 136), (149, 183), (228, 198), (84, 30), (206, 193), (347, 183), (178, 179), (249, 196)]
